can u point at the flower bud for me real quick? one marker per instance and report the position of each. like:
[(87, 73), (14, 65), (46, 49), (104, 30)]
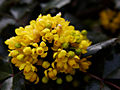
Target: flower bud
[(27, 50), (65, 45), (45, 79), (48, 25), (20, 56), (78, 51), (17, 45), (59, 81), (14, 53), (71, 53), (69, 78), (40, 50), (84, 32), (45, 64)]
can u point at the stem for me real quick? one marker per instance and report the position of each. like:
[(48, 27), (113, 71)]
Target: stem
[(103, 81)]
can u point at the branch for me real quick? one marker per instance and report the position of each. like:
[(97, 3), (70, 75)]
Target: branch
[(103, 81)]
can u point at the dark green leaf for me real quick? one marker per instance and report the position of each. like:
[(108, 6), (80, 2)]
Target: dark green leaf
[(19, 12), (111, 67), (6, 21), (4, 75), (5, 68), (26, 1), (114, 75), (14, 83), (99, 46), (7, 84), (18, 82), (55, 4), (117, 4)]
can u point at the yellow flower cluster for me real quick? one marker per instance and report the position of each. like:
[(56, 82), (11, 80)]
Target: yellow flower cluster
[(110, 19), (49, 42)]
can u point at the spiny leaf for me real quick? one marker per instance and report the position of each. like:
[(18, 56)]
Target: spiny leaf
[(55, 4), (99, 46), (7, 84), (14, 83), (5, 69), (4, 75), (18, 82)]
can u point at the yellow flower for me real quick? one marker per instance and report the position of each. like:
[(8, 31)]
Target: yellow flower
[(54, 31), (84, 64), (43, 32), (110, 20), (40, 50), (20, 57), (49, 42), (57, 43), (34, 44), (49, 37), (51, 73), (84, 44), (27, 50), (28, 67), (31, 76), (42, 44), (73, 63), (13, 53), (19, 31), (14, 60), (62, 54)]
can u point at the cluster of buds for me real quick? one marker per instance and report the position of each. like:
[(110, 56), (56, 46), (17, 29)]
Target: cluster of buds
[(51, 43), (110, 20)]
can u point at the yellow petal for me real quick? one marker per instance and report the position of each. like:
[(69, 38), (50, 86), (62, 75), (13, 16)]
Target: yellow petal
[(33, 78), (55, 54), (22, 66), (44, 55), (27, 68), (37, 80), (45, 72), (42, 44)]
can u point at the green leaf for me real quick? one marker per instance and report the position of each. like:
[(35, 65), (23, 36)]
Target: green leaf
[(55, 4), (6, 21), (114, 75), (112, 67), (18, 12), (18, 82), (4, 75), (14, 83), (99, 46), (7, 84), (5, 69)]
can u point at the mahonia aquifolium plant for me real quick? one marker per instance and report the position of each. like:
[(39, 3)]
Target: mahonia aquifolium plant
[(110, 19), (51, 43)]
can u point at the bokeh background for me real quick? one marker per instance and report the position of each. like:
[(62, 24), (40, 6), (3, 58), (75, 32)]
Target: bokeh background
[(83, 14)]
